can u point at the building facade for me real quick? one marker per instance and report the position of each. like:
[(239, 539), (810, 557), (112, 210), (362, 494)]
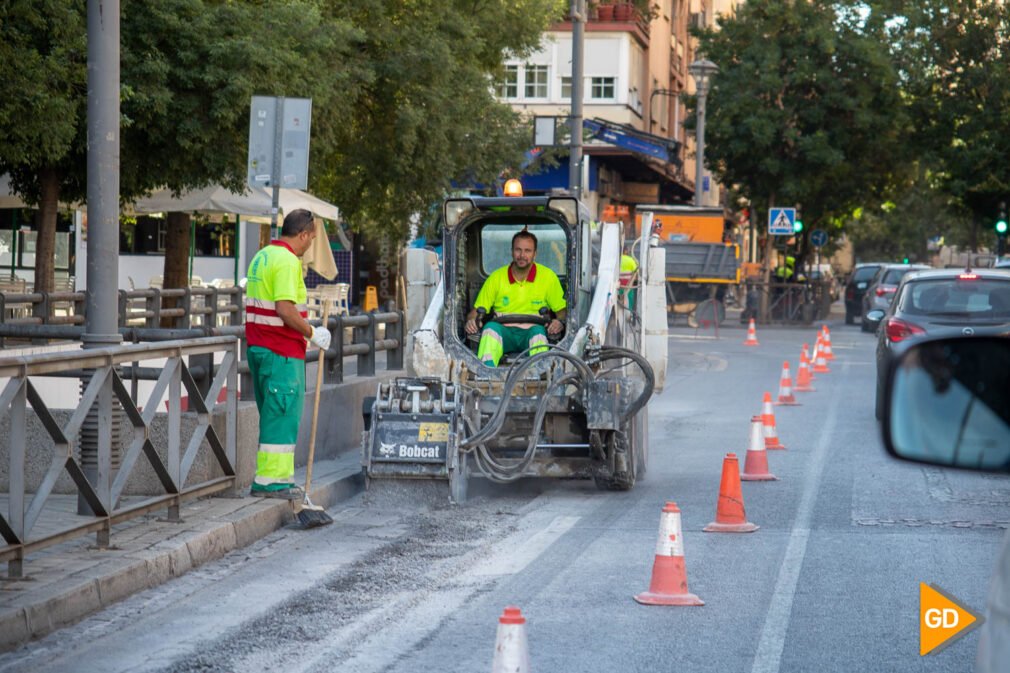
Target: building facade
[(635, 74)]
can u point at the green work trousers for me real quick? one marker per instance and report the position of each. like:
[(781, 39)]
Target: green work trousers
[(279, 384), (496, 340)]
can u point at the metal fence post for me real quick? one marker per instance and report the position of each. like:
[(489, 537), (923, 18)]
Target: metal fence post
[(366, 335), (124, 307), (152, 305), (186, 319), (394, 357), (335, 365)]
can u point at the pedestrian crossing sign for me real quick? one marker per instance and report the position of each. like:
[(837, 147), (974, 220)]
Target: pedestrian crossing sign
[(780, 221)]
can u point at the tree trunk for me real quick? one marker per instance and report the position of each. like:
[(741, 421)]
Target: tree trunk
[(45, 242), (176, 272)]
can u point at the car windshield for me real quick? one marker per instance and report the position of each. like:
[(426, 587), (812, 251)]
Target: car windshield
[(864, 273), (894, 276), (958, 298)]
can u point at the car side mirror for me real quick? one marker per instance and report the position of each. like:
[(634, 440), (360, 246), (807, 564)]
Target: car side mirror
[(875, 316), (947, 402)]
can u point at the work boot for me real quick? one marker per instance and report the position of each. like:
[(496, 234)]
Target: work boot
[(290, 493)]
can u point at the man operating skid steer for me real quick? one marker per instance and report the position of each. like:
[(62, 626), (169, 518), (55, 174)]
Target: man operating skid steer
[(520, 288)]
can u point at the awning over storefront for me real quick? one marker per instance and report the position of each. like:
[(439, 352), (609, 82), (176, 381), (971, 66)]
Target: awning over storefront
[(253, 204)]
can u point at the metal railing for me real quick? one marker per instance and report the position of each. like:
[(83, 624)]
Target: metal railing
[(199, 312), (801, 302), (103, 490)]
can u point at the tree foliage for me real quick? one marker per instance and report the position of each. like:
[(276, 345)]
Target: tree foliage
[(954, 58), (427, 116), (805, 108)]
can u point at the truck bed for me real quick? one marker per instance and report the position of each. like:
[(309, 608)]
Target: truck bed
[(701, 262)]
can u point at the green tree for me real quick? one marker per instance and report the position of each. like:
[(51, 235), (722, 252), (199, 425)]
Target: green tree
[(805, 109), (190, 68), (954, 58), (427, 116), (43, 106)]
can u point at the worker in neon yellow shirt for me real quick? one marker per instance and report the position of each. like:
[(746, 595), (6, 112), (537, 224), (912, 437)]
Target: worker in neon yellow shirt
[(276, 329), (629, 268), (522, 287)]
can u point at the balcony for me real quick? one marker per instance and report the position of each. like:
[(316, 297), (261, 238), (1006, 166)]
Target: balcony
[(610, 16)]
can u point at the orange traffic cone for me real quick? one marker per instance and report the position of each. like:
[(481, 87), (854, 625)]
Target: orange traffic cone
[(511, 654), (768, 421), (752, 338), (730, 516), (755, 467), (786, 397), (826, 341), (803, 376), (669, 572), (820, 364)]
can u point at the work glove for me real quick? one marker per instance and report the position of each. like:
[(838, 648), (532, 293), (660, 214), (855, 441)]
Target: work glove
[(321, 337)]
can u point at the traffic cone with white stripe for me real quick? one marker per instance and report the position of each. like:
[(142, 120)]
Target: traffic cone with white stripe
[(820, 364), (755, 466), (669, 572), (730, 516), (768, 422), (803, 376), (752, 338), (511, 653), (786, 397), (826, 340)]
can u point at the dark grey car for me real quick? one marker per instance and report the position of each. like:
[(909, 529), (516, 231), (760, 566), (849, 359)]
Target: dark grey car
[(943, 302), (855, 288), (881, 290)]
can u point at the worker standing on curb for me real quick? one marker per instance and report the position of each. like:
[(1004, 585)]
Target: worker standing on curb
[(276, 330), (628, 277)]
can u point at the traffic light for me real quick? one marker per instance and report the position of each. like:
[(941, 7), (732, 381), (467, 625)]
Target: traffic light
[(904, 260), (797, 226), (1001, 226)]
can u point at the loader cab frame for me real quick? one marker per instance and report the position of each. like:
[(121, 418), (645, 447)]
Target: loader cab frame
[(477, 240)]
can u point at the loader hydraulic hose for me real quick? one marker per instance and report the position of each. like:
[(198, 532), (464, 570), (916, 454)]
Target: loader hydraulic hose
[(502, 473), (614, 353), (497, 419)]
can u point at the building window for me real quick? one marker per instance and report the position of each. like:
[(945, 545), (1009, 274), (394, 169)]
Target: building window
[(536, 81), (509, 88), (603, 88), (566, 88)]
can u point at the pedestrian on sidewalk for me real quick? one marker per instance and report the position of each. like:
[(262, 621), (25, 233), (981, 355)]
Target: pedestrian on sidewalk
[(276, 330)]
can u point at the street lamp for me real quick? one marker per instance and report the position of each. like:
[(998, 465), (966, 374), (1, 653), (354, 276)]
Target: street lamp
[(702, 71)]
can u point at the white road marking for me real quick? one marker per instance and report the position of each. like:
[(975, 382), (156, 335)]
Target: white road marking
[(773, 633)]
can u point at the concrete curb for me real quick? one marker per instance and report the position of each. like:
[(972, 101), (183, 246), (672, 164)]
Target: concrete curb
[(230, 523)]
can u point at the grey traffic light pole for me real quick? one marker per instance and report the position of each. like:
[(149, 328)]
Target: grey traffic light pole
[(578, 11), (101, 325)]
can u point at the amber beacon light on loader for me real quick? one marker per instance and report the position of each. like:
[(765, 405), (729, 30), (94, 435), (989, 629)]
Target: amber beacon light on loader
[(576, 410)]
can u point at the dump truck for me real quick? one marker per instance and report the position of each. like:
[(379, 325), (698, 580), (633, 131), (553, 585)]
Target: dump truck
[(578, 410), (700, 263)]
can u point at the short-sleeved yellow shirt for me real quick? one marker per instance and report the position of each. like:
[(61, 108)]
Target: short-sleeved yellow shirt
[(503, 293)]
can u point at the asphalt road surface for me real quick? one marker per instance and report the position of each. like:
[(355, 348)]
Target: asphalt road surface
[(402, 583)]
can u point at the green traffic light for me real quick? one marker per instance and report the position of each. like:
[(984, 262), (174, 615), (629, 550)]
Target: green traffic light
[(1001, 227), (798, 226), (905, 260)]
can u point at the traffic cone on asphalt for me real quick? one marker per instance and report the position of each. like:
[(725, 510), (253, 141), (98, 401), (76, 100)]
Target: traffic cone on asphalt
[(786, 397), (826, 341), (803, 376), (820, 364), (730, 516), (511, 654), (669, 572), (755, 466), (752, 338), (768, 422)]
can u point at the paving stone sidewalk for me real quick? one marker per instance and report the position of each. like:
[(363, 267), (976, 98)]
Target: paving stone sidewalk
[(71, 580)]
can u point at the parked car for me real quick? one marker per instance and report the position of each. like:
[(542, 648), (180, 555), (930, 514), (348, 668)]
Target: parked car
[(942, 302), (881, 289), (1002, 263), (947, 403), (855, 288)]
